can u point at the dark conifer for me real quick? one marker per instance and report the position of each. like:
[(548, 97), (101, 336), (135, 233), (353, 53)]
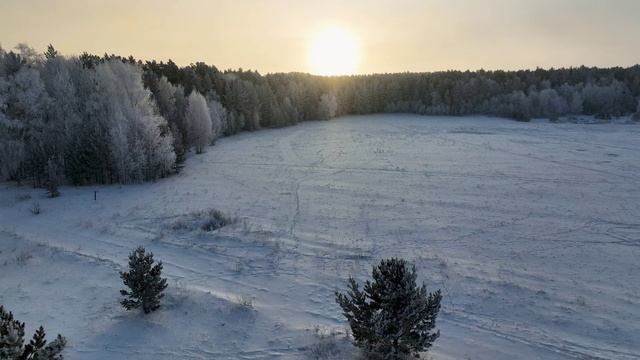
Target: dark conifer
[(51, 52), (12, 341), (391, 317), (144, 282)]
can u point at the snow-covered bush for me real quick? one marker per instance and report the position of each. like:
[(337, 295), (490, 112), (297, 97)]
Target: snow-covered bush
[(214, 220), (144, 282), (244, 302), (206, 220), (12, 342), (35, 208), (23, 257), (391, 317), (331, 343)]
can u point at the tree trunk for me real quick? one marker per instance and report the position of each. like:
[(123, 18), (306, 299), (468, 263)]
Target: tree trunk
[(395, 348)]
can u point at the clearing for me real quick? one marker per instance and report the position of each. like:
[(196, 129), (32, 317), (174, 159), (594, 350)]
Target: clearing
[(530, 229)]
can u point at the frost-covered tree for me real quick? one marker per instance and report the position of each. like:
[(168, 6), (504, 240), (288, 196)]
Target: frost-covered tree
[(177, 121), (551, 104), (199, 120), (165, 97), (27, 102), (139, 149), (62, 115), (637, 114), (28, 98), (30, 56), (391, 317), (145, 282), (328, 106), (575, 105), (12, 342), (218, 115), (53, 178)]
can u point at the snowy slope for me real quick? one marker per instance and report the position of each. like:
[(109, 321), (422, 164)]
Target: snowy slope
[(530, 229)]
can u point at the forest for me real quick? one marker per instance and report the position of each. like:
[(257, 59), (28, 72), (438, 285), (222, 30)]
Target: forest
[(110, 119)]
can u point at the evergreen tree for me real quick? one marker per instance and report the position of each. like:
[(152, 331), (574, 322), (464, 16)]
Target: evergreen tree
[(51, 52), (12, 345), (144, 282), (391, 317)]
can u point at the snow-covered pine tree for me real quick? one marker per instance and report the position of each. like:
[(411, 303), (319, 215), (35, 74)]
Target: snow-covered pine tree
[(12, 345), (144, 281), (391, 317)]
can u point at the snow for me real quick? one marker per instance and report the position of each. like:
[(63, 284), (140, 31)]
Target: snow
[(531, 230)]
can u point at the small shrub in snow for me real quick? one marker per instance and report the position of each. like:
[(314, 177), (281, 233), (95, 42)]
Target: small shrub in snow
[(391, 317), (206, 220), (214, 220), (35, 208), (144, 282), (331, 344), (23, 257), (244, 302), (324, 349), (12, 346)]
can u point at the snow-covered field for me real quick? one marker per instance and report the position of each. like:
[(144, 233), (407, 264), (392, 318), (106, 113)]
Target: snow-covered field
[(532, 231)]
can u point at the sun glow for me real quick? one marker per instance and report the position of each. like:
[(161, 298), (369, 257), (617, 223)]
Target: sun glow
[(333, 51)]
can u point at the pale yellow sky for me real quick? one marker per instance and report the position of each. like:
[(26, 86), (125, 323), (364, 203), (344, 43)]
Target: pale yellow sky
[(393, 36)]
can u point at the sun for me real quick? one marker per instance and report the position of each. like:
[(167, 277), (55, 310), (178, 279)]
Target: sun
[(333, 51)]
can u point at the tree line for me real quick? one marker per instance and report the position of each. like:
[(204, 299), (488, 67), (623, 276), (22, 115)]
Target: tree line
[(110, 119)]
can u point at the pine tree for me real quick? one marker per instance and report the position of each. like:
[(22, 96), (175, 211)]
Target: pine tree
[(144, 281), (12, 341), (51, 52), (391, 317)]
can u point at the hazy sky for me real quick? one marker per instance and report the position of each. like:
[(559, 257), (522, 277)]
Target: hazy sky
[(275, 35)]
